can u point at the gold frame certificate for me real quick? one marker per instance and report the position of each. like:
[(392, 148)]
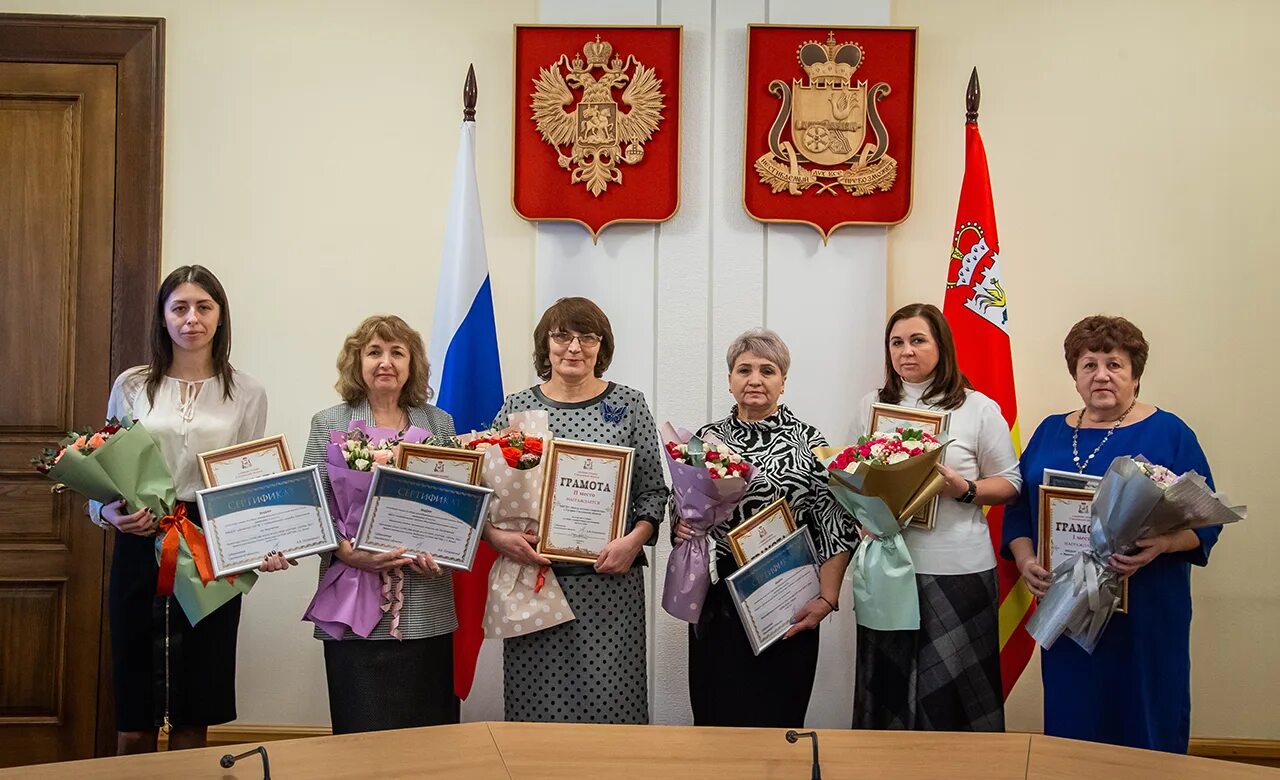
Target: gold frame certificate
[(245, 521), (451, 463), (1065, 521), (243, 462), (585, 497), (423, 515), (886, 418), (770, 589), (762, 531)]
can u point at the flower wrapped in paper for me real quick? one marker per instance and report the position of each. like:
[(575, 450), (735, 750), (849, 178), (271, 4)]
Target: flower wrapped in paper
[(1135, 500), (883, 481), (707, 482), (351, 598), (522, 598), (122, 460)]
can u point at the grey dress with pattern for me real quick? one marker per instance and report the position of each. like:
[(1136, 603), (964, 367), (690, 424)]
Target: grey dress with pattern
[(592, 669)]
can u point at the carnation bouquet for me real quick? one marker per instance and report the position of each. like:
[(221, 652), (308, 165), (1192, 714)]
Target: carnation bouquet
[(351, 598), (522, 598), (122, 460), (707, 482), (883, 481), (1135, 500)]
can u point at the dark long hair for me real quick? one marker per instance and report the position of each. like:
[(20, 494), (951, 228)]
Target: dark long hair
[(162, 345), (946, 390)]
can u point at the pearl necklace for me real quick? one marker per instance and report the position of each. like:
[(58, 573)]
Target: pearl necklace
[(1075, 438)]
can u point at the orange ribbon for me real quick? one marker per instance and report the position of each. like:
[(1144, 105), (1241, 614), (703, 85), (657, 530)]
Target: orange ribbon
[(173, 526), (542, 579)]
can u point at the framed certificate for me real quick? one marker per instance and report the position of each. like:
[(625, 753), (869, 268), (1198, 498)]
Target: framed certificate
[(245, 521), (241, 462), (1070, 479), (423, 515), (888, 417), (584, 499), (451, 463), (762, 531), (1065, 521), (770, 588)]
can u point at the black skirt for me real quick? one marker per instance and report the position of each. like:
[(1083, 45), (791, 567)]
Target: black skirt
[(378, 684), (729, 686), (199, 688)]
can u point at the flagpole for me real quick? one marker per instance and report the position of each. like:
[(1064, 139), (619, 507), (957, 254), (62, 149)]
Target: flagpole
[(469, 94), (972, 97)]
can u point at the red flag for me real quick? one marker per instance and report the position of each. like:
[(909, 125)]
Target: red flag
[(976, 309), (470, 589)]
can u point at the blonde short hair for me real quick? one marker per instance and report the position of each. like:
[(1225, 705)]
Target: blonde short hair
[(763, 342), (388, 327)]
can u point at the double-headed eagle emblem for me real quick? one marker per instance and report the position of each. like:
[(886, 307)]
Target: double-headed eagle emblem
[(598, 133), (828, 120)]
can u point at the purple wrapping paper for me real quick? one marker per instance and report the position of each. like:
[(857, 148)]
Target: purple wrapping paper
[(349, 597), (703, 503)]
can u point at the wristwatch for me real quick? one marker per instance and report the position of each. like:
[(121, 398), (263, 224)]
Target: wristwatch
[(969, 494)]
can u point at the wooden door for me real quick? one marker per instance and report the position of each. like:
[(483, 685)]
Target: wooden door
[(57, 192)]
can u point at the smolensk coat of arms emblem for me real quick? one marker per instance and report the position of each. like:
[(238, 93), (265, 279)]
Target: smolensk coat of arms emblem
[(596, 135), (828, 118)]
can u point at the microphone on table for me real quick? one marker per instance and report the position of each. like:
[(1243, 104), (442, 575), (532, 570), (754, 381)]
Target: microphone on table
[(229, 761), (794, 736)]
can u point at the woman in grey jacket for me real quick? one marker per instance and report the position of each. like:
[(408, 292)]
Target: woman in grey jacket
[(381, 682)]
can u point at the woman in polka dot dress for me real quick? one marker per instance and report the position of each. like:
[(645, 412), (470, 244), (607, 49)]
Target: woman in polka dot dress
[(591, 669)]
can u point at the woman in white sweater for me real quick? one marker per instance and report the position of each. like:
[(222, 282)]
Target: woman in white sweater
[(944, 676)]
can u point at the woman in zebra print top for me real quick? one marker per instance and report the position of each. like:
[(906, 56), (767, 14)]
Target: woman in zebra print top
[(780, 446)]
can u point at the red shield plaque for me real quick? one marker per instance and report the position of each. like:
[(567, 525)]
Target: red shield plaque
[(830, 124), (597, 124)]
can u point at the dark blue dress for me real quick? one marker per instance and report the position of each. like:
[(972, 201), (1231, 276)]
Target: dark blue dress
[(1135, 689)]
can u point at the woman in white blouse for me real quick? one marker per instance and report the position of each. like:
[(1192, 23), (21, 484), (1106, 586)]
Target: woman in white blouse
[(944, 676), (192, 401)]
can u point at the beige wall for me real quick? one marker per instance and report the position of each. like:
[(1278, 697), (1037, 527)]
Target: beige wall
[(309, 148), (1134, 163)]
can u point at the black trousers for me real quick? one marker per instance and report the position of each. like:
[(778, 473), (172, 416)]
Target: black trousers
[(729, 686), (379, 684)]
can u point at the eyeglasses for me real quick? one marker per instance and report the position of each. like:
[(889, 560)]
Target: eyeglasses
[(586, 340)]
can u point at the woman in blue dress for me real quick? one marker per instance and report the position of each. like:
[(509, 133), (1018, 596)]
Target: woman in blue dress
[(1135, 689)]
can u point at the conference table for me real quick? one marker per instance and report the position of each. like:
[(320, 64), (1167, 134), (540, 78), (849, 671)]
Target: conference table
[(537, 751)]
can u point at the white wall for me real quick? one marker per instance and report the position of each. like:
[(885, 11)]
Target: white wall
[(678, 293)]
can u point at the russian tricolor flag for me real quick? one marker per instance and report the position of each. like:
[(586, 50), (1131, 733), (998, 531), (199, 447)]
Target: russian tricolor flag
[(466, 375)]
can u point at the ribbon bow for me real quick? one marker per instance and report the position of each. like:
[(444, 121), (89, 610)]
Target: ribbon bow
[(173, 526)]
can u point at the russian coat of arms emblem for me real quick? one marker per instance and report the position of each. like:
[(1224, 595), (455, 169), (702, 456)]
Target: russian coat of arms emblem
[(596, 137), (597, 133)]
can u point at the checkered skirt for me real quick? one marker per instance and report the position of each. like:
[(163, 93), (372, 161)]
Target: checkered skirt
[(945, 676)]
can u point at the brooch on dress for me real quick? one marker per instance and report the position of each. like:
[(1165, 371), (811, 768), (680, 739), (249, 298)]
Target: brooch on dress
[(613, 414)]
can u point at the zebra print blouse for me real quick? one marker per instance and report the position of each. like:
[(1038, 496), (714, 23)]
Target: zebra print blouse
[(781, 448)]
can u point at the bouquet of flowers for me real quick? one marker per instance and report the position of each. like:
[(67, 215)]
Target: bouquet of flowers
[(348, 597), (1135, 500), (882, 481), (522, 598), (707, 480), (520, 451), (122, 460)]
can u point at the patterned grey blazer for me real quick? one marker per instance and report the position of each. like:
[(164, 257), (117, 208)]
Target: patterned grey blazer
[(428, 601)]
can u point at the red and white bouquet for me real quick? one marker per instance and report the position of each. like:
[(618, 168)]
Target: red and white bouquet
[(886, 449), (707, 482), (711, 455)]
